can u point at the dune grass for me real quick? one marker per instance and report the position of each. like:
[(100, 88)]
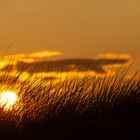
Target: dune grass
[(73, 104)]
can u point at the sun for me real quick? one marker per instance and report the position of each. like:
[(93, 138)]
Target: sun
[(8, 99)]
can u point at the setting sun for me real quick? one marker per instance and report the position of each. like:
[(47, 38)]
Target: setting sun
[(7, 99)]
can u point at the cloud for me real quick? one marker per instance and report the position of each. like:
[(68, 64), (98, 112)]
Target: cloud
[(28, 58), (66, 65), (44, 54), (33, 56), (37, 62), (113, 56)]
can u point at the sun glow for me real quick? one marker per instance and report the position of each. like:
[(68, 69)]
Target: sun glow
[(7, 99)]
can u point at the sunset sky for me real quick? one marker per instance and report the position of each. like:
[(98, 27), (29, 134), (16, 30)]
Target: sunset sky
[(76, 28)]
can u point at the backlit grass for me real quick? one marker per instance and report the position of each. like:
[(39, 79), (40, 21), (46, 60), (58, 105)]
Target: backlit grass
[(85, 101)]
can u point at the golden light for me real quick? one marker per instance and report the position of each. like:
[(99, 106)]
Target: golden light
[(7, 99)]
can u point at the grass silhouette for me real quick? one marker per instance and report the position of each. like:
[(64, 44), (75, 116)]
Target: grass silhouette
[(70, 107)]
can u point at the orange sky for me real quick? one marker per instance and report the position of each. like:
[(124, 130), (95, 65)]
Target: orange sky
[(77, 28)]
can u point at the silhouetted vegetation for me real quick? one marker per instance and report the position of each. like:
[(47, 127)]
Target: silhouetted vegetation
[(70, 107)]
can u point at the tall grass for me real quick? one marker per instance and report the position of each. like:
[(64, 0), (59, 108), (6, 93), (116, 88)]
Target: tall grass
[(94, 102)]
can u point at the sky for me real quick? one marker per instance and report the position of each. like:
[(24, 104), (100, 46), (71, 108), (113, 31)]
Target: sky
[(76, 28)]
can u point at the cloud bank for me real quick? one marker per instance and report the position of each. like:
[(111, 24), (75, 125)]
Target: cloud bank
[(66, 65)]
